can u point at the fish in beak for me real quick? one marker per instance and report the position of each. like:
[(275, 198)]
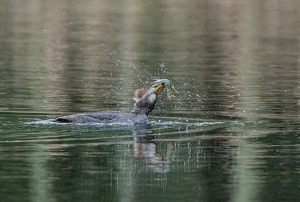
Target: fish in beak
[(160, 84)]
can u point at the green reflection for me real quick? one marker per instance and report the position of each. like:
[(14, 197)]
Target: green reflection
[(41, 183), (246, 173)]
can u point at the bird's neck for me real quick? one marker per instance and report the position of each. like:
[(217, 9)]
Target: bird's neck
[(146, 104)]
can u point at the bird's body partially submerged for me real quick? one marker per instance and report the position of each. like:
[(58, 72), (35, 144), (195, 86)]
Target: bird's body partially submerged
[(105, 117), (145, 101)]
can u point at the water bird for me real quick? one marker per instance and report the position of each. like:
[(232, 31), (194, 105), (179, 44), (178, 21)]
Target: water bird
[(145, 100)]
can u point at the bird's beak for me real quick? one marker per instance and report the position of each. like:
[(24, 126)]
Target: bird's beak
[(159, 88)]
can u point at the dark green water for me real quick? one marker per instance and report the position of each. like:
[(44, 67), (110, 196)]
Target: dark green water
[(231, 134)]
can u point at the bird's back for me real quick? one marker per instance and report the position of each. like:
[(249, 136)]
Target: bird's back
[(105, 117)]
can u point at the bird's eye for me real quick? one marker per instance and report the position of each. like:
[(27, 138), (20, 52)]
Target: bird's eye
[(163, 83)]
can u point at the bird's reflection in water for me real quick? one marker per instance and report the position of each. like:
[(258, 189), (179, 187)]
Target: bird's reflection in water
[(144, 147)]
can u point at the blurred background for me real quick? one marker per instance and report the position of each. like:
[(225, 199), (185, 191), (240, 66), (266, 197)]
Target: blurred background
[(231, 134), (69, 56)]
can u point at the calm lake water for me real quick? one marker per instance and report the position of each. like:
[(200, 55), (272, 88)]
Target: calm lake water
[(231, 134)]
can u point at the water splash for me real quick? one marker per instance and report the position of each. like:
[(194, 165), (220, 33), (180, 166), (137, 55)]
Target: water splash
[(153, 122), (128, 123), (184, 123)]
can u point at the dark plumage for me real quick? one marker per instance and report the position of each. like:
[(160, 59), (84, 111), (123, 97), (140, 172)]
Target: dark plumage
[(145, 102), (105, 117)]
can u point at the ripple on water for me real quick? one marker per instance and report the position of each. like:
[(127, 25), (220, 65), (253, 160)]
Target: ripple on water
[(153, 122)]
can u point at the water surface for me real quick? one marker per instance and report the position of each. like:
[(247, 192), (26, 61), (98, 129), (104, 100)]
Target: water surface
[(231, 134)]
